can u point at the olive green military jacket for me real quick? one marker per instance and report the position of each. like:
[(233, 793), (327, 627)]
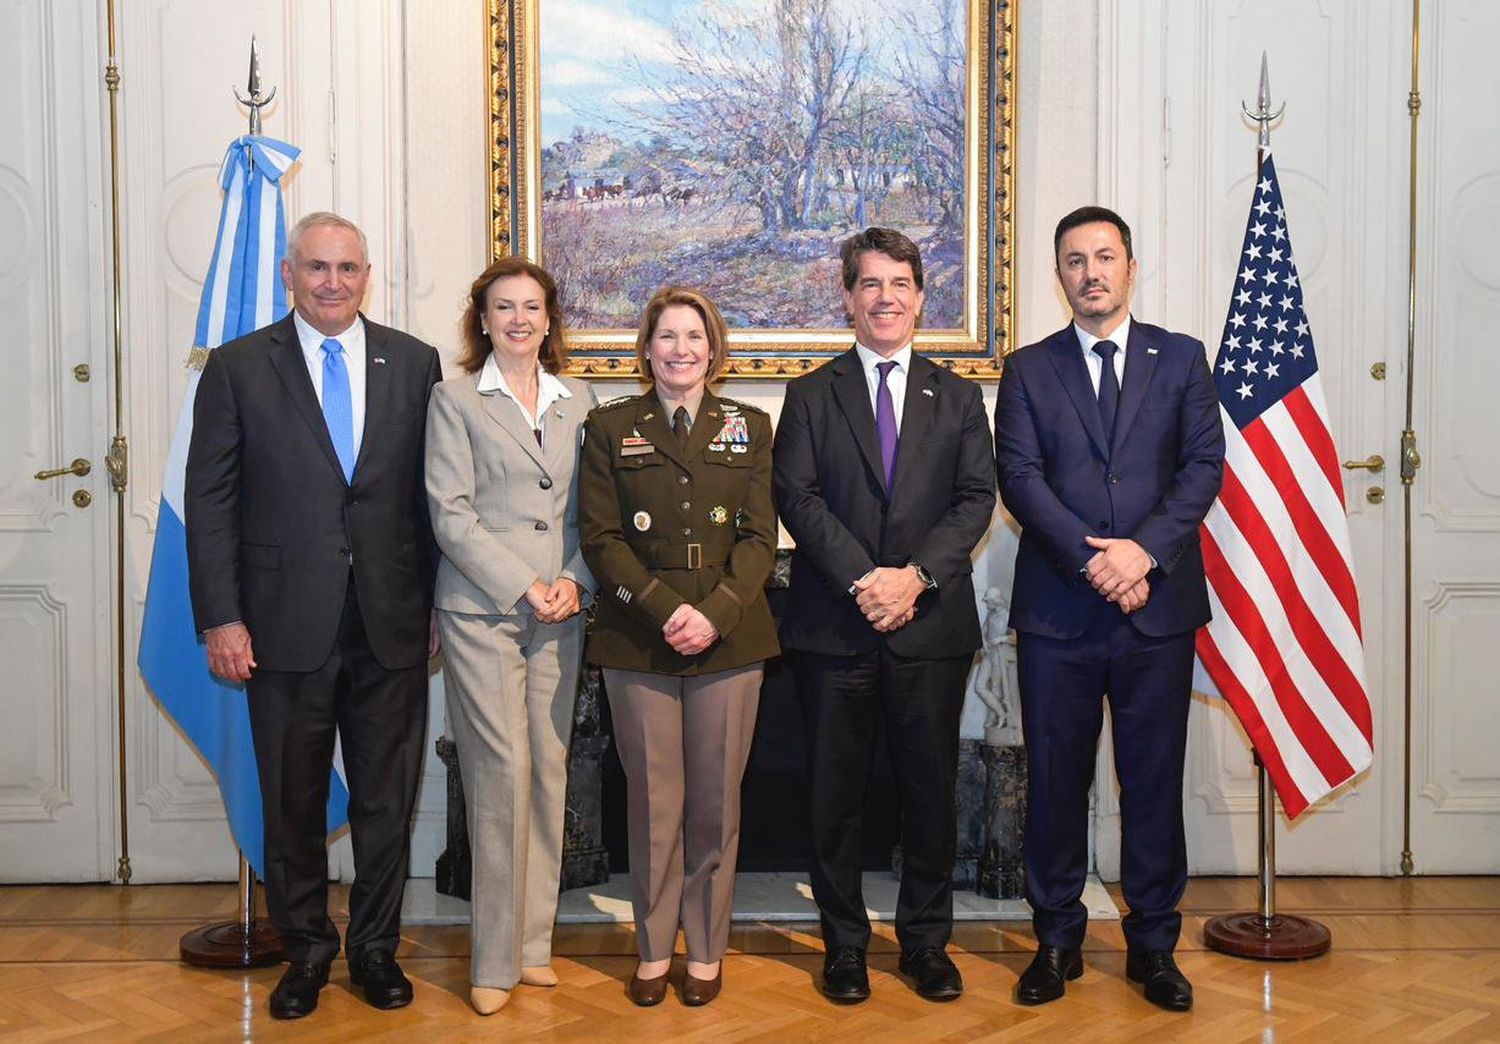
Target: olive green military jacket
[(661, 525)]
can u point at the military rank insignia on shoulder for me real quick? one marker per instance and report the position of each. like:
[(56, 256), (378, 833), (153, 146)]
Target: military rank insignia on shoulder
[(733, 406), (615, 403)]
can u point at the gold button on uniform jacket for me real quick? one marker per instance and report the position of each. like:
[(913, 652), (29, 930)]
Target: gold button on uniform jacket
[(661, 525)]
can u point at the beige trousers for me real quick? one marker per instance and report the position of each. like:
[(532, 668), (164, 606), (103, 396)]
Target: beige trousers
[(511, 683), (684, 743)]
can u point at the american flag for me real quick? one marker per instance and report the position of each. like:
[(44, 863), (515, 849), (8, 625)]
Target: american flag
[(1284, 646)]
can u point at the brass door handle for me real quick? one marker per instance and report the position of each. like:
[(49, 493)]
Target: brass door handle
[(1374, 462), (79, 467)]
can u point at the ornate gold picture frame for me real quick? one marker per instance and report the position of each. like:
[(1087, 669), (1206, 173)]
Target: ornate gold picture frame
[(624, 171)]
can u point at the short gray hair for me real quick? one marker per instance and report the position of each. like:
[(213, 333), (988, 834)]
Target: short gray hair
[(323, 219)]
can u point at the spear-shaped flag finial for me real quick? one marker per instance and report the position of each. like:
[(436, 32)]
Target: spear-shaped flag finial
[(253, 99), (1262, 114)]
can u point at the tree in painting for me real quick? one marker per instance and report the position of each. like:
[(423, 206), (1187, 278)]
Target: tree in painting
[(731, 145)]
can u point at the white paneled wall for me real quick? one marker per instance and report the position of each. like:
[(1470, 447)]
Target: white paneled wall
[(1131, 104)]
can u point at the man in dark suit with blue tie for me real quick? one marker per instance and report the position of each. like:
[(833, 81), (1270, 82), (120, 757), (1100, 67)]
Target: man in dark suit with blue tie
[(311, 563), (1109, 450), (884, 478)]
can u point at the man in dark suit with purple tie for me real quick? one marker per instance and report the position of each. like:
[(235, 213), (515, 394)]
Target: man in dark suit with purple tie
[(1109, 450), (884, 476)]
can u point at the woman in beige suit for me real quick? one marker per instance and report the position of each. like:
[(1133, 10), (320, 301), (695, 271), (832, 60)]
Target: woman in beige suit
[(502, 465)]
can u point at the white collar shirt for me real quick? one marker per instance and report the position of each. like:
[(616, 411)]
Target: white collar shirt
[(1120, 335), (353, 341), (548, 390), (896, 380)]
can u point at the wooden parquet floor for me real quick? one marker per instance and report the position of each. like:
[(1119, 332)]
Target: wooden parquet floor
[(1413, 960)]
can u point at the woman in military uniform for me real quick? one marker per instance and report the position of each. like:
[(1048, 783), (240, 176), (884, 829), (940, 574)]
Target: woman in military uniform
[(678, 529)]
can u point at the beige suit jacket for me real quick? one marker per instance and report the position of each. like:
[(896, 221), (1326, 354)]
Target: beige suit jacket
[(504, 510)]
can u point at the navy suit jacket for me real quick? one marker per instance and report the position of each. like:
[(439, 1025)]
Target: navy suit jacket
[(831, 494), (1153, 482), (271, 523)]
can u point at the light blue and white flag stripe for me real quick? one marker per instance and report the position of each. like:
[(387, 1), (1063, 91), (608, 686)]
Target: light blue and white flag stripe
[(241, 293)]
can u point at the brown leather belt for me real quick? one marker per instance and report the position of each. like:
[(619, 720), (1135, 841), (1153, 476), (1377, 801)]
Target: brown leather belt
[(681, 556)]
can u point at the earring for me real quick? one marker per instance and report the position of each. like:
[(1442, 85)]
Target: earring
[(484, 330)]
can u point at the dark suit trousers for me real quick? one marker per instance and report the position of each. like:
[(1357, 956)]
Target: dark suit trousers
[(917, 703), (1063, 684), (381, 717)]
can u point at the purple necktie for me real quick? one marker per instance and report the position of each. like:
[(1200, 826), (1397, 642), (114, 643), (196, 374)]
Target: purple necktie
[(885, 422)]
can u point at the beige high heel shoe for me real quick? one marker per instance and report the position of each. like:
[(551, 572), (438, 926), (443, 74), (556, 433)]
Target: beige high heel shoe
[(540, 975), (487, 1000)]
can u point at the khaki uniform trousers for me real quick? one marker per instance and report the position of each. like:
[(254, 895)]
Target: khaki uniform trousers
[(684, 743), (511, 684)]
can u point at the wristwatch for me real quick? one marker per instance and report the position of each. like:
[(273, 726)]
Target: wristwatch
[(924, 575)]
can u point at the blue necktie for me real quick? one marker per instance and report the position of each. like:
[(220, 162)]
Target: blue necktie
[(885, 422), (338, 405), (1109, 387)]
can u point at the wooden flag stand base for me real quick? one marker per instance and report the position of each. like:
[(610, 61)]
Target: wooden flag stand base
[(1265, 935), (245, 943)]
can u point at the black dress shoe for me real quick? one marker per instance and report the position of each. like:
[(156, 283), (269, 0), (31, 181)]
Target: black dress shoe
[(296, 994), (1047, 977), (378, 974), (844, 975), (1166, 986), (936, 976)]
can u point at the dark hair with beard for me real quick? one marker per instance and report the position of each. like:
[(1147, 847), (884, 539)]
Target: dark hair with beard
[(1091, 216)]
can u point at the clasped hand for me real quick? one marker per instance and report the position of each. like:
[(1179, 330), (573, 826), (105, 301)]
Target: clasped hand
[(555, 602), (1118, 571), (888, 596), (688, 631)]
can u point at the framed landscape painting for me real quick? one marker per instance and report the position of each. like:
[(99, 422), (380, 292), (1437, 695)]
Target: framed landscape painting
[(731, 145)]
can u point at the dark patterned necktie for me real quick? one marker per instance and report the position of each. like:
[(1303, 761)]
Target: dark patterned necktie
[(1109, 386)]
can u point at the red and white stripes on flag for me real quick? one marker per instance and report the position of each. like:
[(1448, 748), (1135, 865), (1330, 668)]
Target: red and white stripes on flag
[(1284, 646)]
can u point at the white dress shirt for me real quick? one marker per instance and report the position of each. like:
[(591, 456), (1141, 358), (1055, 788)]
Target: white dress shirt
[(353, 340), (895, 380), (1120, 335), (548, 390)]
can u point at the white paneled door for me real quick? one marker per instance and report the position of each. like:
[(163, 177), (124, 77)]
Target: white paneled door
[(1179, 158), (1456, 497), (56, 687)]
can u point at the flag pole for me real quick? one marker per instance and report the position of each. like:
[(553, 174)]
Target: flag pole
[(1264, 934), (246, 942)]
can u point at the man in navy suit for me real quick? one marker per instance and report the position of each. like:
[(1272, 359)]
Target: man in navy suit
[(1109, 450), (311, 562), (884, 477)]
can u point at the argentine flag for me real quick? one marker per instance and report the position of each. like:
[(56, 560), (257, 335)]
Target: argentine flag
[(242, 293)]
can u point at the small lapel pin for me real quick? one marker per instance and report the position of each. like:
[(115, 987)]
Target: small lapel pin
[(927, 392), (1150, 351), (378, 360)]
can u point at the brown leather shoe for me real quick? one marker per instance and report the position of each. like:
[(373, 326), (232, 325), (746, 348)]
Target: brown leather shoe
[(648, 992), (696, 991)]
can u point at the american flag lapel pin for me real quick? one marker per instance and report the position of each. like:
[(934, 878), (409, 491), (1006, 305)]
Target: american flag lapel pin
[(378, 360), (1150, 351)]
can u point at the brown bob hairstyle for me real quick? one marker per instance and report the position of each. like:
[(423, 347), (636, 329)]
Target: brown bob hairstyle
[(713, 325), (476, 347)]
